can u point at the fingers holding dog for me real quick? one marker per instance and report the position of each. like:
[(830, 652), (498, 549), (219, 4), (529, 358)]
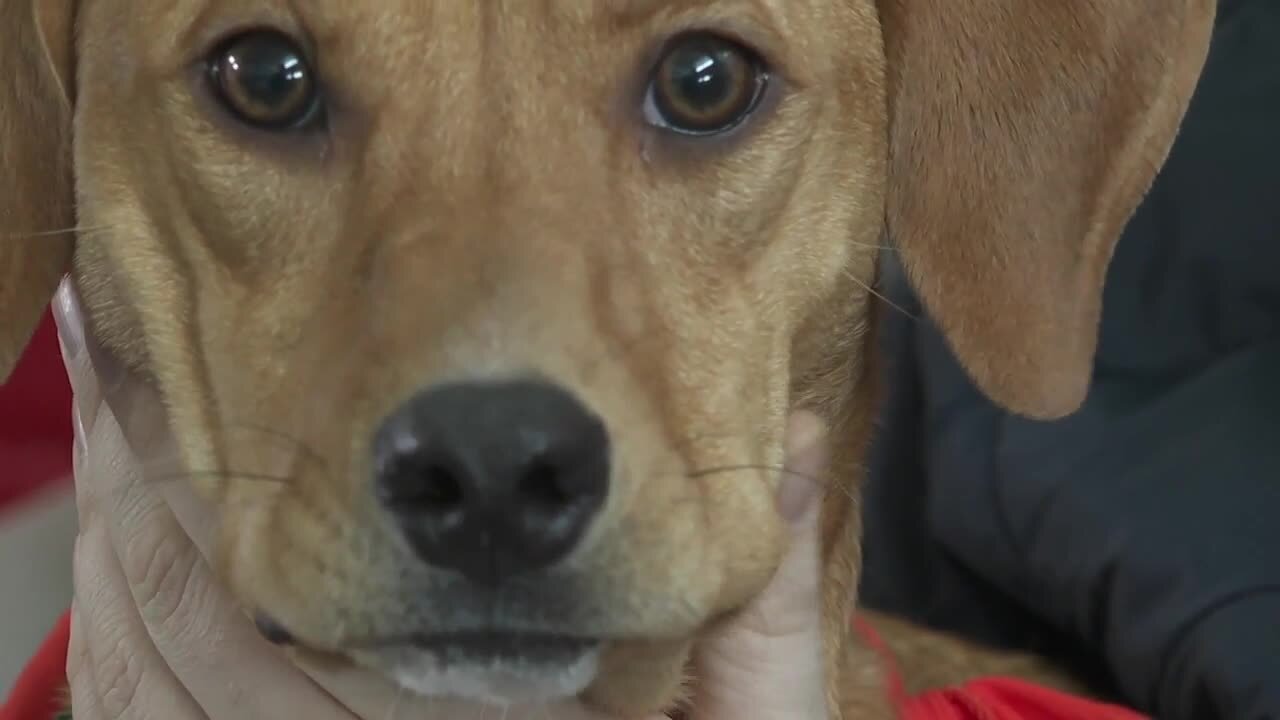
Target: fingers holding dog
[(113, 667), (154, 634)]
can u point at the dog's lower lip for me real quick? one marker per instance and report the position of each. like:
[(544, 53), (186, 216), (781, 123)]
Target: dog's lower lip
[(545, 647)]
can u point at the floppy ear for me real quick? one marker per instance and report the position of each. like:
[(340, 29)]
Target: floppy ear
[(37, 50), (1024, 133)]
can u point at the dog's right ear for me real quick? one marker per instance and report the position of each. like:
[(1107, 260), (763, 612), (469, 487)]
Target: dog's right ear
[(37, 93)]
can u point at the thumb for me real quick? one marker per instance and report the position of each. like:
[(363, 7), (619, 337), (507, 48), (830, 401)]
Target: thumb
[(767, 663), (86, 393)]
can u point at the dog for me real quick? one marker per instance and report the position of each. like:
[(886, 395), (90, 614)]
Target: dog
[(514, 297)]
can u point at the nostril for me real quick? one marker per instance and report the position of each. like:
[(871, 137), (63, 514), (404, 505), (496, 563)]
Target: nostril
[(427, 487), (543, 486), (440, 489)]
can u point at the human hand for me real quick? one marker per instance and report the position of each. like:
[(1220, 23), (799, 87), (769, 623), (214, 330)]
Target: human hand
[(154, 635)]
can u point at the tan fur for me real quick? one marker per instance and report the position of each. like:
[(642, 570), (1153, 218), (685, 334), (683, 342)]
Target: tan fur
[(35, 166), (487, 203)]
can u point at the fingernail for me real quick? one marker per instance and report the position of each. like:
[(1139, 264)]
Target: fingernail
[(68, 315), (796, 496), (69, 319), (78, 436), (805, 464)]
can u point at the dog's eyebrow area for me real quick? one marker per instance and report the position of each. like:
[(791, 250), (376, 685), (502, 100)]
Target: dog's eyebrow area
[(638, 11)]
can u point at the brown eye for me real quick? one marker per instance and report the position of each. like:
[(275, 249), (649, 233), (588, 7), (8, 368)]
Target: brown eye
[(264, 79), (704, 85)]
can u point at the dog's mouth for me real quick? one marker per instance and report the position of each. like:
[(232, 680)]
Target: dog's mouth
[(490, 665), (468, 646), (487, 647)]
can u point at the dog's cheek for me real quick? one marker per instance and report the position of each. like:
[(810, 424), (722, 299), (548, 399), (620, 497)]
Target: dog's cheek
[(260, 557), (640, 679), (746, 535), (245, 551)]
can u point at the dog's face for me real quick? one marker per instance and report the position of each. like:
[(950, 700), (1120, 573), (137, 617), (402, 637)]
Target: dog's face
[(513, 287), (480, 322)]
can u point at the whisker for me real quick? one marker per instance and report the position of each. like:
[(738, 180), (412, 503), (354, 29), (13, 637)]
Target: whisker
[(156, 480), (880, 296), (81, 230), (721, 469), (310, 452), (871, 246), (221, 475), (165, 470)]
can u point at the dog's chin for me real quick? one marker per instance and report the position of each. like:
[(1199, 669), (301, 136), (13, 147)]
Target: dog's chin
[(488, 678)]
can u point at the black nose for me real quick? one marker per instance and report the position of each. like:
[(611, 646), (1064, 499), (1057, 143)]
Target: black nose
[(493, 479)]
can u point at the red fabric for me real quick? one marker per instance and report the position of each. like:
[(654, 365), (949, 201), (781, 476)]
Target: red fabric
[(35, 420), (993, 698), (41, 690), (1009, 699)]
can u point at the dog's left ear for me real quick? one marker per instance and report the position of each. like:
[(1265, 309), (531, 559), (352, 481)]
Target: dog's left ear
[(37, 87), (1024, 133)]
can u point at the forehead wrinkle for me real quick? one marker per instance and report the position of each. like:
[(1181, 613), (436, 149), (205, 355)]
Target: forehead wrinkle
[(632, 12)]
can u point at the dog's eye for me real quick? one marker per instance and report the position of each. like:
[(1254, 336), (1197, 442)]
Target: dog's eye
[(264, 79), (704, 85)]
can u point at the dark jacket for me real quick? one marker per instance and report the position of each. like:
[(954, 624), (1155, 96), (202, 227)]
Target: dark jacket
[(1141, 535)]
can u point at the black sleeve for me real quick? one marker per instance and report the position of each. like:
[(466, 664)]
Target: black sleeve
[(1147, 526), (1148, 531)]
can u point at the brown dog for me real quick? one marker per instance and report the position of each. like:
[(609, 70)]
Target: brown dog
[(532, 286)]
